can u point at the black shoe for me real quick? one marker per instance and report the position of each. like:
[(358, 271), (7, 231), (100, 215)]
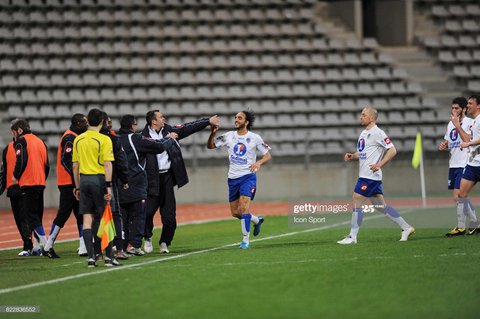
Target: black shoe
[(112, 262), (50, 253), (91, 263), (473, 231)]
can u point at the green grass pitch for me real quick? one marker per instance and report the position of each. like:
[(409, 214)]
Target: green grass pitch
[(302, 275)]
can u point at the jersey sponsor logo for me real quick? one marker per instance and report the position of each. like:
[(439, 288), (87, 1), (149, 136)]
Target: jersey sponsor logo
[(17, 152), (361, 145), (221, 138), (454, 134), (68, 150), (179, 125), (387, 140), (239, 149)]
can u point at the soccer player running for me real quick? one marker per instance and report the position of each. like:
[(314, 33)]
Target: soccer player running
[(471, 174), (458, 130), (374, 151), (242, 147)]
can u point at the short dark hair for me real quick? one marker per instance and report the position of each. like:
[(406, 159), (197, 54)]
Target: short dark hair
[(475, 97), (250, 117), (95, 117), (461, 101), (77, 119), (127, 121), (20, 123), (150, 116)]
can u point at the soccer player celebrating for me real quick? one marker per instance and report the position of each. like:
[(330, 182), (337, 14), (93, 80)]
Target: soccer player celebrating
[(458, 130), (374, 151), (242, 147), (471, 174)]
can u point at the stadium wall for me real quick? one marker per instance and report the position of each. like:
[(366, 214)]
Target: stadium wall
[(290, 182)]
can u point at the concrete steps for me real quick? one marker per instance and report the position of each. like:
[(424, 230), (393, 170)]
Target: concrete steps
[(421, 67)]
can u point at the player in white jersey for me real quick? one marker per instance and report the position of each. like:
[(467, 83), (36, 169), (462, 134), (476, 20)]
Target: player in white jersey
[(471, 173), (374, 151), (242, 146), (458, 130)]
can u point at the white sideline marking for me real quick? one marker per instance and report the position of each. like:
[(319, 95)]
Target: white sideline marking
[(198, 222), (87, 274)]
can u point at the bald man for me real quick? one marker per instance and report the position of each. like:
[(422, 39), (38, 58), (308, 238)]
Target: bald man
[(374, 151)]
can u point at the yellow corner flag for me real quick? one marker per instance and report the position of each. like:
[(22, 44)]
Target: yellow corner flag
[(106, 231), (417, 152)]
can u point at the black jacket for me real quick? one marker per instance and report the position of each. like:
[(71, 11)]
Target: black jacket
[(136, 148), (120, 164), (179, 172)]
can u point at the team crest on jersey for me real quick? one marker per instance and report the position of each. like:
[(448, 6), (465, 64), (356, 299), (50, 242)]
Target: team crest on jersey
[(364, 187), (454, 134), (387, 140), (239, 149), (361, 144), (248, 140)]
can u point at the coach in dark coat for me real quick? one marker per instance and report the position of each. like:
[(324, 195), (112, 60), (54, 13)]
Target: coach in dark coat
[(164, 171), (132, 200)]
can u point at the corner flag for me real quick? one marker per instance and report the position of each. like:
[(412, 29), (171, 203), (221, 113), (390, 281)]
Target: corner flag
[(106, 231), (417, 152)]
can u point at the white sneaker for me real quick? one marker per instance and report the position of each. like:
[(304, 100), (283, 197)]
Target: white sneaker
[(407, 233), (347, 241), (147, 245), (82, 250), (164, 248)]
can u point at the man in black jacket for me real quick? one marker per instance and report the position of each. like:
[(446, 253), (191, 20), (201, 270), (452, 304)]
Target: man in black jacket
[(119, 177), (132, 200), (164, 171)]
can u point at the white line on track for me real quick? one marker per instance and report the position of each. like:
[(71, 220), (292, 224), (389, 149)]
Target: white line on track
[(87, 274)]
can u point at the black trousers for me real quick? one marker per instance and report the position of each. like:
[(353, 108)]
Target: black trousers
[(134, 222), (167, 204), (67, 204), (22, 221), (33, 204)]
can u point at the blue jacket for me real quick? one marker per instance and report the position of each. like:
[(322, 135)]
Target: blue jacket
[(137, 147)]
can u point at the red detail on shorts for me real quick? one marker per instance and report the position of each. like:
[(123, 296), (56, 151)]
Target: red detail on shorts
[(364, 187)]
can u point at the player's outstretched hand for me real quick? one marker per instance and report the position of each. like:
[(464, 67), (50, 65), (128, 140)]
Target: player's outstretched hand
[(348, 157), (172, 135), (443, 146), (215, 121)]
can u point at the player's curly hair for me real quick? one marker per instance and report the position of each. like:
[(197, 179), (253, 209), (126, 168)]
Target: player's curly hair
[(250, 117), (461, 101)]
